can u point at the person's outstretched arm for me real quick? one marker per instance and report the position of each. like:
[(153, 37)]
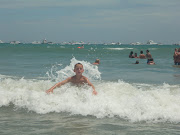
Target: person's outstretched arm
[(90, 84), (58, 85)]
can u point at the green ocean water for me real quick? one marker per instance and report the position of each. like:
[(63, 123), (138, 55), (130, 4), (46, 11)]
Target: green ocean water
[(132, 99)]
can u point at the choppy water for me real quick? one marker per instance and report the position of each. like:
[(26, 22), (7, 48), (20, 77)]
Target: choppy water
[(132, 99)]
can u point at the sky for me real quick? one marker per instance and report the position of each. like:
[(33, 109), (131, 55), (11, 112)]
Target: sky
[(95, 21)]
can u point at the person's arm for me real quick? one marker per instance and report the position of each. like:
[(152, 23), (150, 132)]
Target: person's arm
[(90, 84), (58, 85)]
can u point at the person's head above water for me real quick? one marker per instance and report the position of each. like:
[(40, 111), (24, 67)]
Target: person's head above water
[(78, 64), (97, 61), (78, 69)]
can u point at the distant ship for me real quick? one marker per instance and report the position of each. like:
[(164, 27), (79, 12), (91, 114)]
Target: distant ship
[(44, 41), (150, 42), (112, 43), (1, 42), (15, 42), (36, 42), (136, 43)]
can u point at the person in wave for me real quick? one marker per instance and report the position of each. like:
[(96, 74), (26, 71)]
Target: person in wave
[(142, 56), (97, 62), (131, 55), (77, 79)]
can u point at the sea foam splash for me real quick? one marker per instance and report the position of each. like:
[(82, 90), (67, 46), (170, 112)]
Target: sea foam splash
[(134, 102), (90, 71)]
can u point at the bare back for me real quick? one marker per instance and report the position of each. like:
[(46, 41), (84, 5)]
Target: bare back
[(142, 56)]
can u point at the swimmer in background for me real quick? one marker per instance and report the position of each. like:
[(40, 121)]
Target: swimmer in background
[(135, 55), (148, 55), (77, 79), (174, 56), (151, 61), (142, 56), (137, 62), (82, 46), (177, 57), (131, 55), (97, 62)]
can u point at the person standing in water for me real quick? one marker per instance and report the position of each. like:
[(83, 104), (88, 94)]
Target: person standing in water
[(142, 56), (174, 56), (177, 57), (148, 56), (131, 55)]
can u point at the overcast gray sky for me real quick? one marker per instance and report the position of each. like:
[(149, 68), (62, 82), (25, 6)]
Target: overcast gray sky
[(122, 21)]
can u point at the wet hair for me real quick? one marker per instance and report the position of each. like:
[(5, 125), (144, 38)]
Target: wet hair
[(141, 52), (77, 64), (147, 50), (97, 61), (137, 62), (131, 52)]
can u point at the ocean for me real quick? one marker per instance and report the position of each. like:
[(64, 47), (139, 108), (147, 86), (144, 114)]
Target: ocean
[(132, 99)]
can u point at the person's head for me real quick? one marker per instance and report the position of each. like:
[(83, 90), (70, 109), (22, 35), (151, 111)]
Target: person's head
[(147, 51), (131, 52), (137, 62), (135, 54), (141, 52), (97, 61), (176, 49), (78, 69)]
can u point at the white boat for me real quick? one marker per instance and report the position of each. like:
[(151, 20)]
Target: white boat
[(78, 43), (15, 42), (136, 43), (44, 41), (36, 42), (118, 43), (1, 42), (150, 42)]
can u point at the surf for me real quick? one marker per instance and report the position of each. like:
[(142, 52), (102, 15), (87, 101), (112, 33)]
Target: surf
[(134, 102)]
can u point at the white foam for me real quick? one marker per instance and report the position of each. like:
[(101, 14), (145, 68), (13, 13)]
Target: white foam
[(90, 71), (134, 102)]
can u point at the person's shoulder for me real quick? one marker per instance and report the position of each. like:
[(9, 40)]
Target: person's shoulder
[(70, 78), (95, 63), (85, 78)]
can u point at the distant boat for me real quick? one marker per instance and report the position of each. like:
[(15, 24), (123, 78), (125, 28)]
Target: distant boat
[(150, 42), (36, 42), (15, 42), (118, 43), (44, 41), (136, 43), (1, 42), (78, 43)]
